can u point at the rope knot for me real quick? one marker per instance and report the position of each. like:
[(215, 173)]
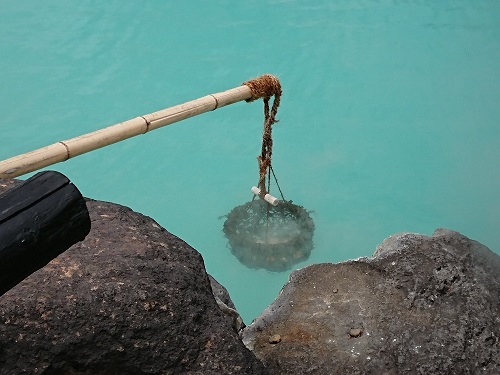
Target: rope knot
[(264, 86)]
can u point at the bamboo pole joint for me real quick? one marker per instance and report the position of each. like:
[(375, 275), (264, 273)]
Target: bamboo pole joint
[(261, 87)]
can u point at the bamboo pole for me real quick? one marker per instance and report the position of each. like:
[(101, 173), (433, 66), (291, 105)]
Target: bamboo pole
[(64, 150)]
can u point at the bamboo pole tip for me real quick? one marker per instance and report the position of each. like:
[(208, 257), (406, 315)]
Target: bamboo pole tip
[(264, 86)]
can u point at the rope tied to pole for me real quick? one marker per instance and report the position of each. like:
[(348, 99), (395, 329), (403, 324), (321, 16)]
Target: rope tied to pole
[(268, 233), (265, 87)]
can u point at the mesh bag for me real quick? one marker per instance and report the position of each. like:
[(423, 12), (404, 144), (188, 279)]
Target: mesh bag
[(271, 237)]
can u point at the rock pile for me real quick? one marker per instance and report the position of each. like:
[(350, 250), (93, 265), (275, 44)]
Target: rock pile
[(130, 299), (134, 299)]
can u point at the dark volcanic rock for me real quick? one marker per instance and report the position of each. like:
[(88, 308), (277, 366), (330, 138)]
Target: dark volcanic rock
[(421, 305), (130, 299)]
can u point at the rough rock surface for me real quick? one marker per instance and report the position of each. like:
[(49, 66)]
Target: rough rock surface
[(226, 304), (130, 299), (420, 305)]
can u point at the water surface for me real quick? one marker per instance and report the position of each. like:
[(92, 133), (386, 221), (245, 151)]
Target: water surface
[(388, 123)]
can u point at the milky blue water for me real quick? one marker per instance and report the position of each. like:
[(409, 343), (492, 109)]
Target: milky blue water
[(389, 117)]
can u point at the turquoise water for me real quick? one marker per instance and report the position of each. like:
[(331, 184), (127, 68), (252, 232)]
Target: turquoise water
[(389, 117)]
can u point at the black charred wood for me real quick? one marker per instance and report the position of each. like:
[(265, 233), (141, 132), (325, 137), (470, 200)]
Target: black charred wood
[(39, 219)]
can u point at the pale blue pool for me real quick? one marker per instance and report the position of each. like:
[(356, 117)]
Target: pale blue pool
[(389, 117)]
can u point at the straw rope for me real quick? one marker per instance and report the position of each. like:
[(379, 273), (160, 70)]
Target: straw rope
[(265, 87)]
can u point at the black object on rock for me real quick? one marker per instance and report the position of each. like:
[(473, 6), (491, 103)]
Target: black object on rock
[(275, 238), (39, 219)]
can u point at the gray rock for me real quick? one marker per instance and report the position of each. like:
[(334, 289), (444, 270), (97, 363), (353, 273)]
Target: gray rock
[(421, 305), (226, 304), (130, 299)]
